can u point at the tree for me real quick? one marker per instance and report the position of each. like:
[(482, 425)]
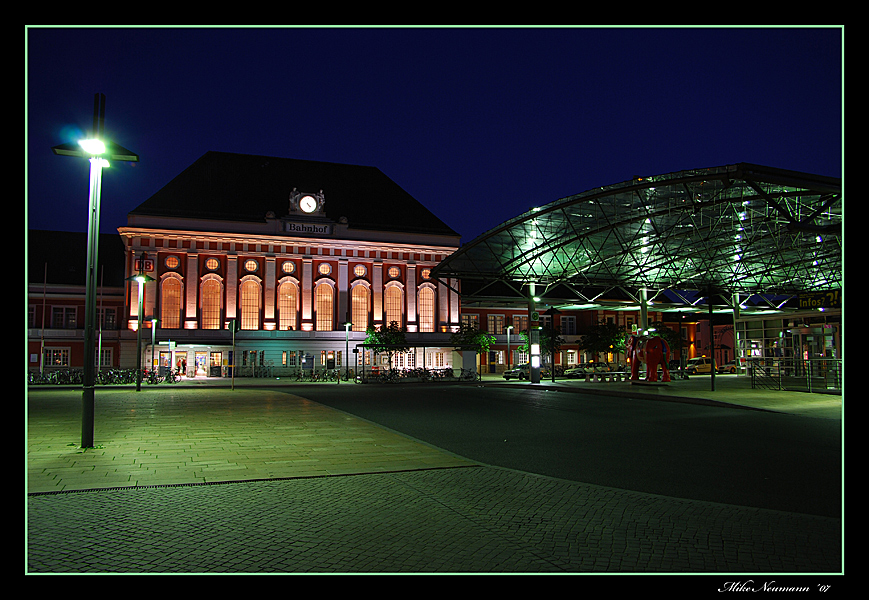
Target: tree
[(550, 342), (468, 336), (389, 339), (603, 338), (659, 329)]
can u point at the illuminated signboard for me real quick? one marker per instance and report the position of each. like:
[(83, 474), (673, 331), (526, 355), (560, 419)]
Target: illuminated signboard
[(830, 299), (316, 228), (145, 265)]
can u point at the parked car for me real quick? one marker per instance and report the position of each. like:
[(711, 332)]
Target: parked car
[(729, 367), (699, 365), (524, 372), (588, 368), (521, 372), (575, 372)]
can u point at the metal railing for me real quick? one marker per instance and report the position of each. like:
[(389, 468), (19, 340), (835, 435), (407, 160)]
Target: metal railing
[(815, 375)]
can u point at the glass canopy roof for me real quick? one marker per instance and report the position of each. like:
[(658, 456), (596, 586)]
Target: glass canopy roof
[(735, 229)]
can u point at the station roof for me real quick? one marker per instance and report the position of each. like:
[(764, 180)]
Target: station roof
[(738, 229), (233, 187)]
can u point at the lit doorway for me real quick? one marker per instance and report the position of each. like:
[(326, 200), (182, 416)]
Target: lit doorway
[(215, 363), (201, 359)]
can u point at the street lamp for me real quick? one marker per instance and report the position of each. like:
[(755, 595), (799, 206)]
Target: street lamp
[(97, 151), (141, 278), (509, 328), (154, 321), (347, 326), (534, 340)]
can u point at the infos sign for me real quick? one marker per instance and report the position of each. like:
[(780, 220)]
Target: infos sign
[(829, 299)]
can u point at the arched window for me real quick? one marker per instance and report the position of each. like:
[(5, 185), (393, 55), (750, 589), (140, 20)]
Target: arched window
[(360, 308), (170, 303), (250, 304), (393, 302), (210, 304), (287, 305), (324, 307), (426, 309)]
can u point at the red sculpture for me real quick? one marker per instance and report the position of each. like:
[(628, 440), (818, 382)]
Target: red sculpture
[(653, 351)]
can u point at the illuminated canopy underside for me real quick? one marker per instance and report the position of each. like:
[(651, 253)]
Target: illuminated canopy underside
[(736, 229)]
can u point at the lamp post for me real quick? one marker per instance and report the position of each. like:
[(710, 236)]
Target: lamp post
[(347, 326), (509, 328), (154, 321), (534, 338), (141, 278), (97, 152)]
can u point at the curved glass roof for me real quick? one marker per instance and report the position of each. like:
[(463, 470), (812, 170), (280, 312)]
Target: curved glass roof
[(739, 228)]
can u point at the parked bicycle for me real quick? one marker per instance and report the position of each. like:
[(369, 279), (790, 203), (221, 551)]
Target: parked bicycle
[(152, 377), (469, 375)]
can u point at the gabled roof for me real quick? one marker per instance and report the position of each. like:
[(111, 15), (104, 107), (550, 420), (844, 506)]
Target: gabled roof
[(241, 187)]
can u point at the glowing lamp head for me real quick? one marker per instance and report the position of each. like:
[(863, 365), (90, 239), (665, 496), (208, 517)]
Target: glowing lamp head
[(95, 147)]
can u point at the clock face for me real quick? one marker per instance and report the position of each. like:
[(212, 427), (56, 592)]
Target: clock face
[(308, 204)]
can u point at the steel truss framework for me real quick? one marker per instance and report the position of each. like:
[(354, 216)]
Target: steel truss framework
[(737, 230)]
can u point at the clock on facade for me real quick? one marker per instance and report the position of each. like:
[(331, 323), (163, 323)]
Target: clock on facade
[(308, 203)]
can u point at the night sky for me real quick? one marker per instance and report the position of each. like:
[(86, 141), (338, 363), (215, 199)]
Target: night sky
[(478, 124)]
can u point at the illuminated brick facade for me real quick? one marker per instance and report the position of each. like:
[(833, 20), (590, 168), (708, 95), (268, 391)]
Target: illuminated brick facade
[(232, 241), (57, 261)]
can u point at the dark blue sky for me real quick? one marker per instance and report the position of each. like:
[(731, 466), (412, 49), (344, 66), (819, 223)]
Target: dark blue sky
[(477, 124)]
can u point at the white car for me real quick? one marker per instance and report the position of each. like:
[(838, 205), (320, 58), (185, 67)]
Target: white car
[(698, 365), (521, 372), (524, 372), (575, 372), (727, 368)]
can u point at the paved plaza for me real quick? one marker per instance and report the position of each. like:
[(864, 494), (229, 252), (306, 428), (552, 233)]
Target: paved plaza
[(199, 478)]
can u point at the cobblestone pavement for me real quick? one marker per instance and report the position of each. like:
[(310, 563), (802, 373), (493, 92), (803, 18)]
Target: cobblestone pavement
[(328, 493), (454, 520)]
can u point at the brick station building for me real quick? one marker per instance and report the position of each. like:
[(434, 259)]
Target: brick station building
[(284, 262)]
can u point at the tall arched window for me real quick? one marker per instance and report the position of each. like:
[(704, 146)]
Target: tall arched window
[(393, 312), (426, 309), (324, 307), (210, 304), (250, 304), (288, 304), (360, 308), (170, 303)]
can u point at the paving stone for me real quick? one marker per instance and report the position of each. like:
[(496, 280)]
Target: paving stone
[(368, 501), (407, 522)]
